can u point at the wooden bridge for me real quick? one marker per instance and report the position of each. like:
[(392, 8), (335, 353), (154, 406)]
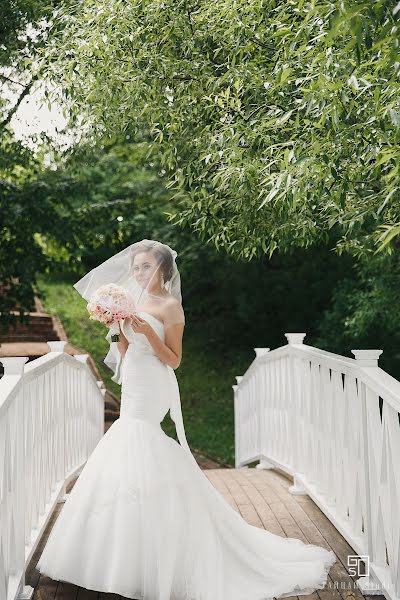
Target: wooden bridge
[(263, 499), (321, 430)]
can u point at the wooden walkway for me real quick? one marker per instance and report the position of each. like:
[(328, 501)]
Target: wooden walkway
[(262, 498)]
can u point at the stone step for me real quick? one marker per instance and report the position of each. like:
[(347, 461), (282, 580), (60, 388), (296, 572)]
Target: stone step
[(110, 403), (111, 415), (36, 316), (24, 337), (31, 327), (40, 327)]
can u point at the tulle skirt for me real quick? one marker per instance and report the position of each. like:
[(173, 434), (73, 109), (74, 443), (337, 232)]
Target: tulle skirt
[(143, 521)]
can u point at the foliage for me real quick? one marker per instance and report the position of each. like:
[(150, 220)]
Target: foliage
[(117, 196), (266, 127), (15, 18), (24, 210), (24, 207), (364, 314), (91, 203), (263, 299), (277, 122)]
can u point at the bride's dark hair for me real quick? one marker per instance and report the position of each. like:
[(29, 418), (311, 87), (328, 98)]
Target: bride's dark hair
[(162, 254)]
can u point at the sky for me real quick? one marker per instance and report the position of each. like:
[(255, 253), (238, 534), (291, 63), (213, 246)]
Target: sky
[(34, 116)]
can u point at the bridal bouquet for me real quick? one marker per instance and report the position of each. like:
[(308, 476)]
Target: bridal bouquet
[(110, 304)]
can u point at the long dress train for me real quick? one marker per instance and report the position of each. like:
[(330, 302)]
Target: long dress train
[(144, 521)]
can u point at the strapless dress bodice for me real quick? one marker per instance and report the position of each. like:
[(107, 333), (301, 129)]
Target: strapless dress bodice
[(146, 383), (138, 342)]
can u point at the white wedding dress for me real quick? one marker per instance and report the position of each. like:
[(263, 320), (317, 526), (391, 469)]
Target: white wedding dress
[(143, 520)]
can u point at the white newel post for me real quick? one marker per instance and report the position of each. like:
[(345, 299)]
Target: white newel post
[(59, 346), (367, 358), (83, 358), (236, 427), (236, 393), (294, 339), (263, 463), (261, 351), (367, 584), (14, 366)]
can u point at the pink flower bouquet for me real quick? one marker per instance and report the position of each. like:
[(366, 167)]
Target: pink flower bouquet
[(110, 304)]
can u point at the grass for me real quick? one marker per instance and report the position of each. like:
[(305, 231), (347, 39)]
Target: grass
[(205, 376)]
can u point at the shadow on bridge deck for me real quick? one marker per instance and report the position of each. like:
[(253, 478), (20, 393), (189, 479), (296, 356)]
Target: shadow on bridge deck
[(263, 499)]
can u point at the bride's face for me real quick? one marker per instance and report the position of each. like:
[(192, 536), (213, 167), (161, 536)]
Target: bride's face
[(146, 270)]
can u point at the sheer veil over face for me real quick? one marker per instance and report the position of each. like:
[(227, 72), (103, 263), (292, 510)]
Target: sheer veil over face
[(154, 282), (147, 271)]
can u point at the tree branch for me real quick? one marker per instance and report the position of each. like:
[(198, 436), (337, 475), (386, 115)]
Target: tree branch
[(14, 109), (5, 78)]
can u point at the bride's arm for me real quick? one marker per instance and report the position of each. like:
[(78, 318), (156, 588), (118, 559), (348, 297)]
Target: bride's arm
[(169, 351), (123, 343)]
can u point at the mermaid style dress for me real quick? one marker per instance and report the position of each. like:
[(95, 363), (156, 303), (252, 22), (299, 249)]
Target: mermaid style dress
[(143, 520)]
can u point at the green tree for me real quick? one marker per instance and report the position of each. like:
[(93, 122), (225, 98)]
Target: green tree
[(277, 123), (363, 312), (90, 203), (23, 209)]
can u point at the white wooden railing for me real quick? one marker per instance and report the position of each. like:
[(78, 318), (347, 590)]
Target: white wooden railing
[(333, 424), (51, 418)]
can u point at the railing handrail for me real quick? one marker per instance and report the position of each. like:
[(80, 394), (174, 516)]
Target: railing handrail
[(10, 385), (331, 422), (65, 388), (382, 382)]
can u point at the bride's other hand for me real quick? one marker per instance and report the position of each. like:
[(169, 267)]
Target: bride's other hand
[(139, 325)]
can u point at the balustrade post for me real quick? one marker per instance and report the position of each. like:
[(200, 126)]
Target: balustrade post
[(297, 489), (367, 584)]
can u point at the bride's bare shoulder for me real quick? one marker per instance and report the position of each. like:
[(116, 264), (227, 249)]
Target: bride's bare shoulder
[(172, 301), (173, 311)]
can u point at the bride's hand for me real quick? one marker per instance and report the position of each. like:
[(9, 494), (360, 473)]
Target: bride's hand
[(139, 325)]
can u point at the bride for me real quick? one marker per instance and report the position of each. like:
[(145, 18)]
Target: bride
[(143, 520)]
